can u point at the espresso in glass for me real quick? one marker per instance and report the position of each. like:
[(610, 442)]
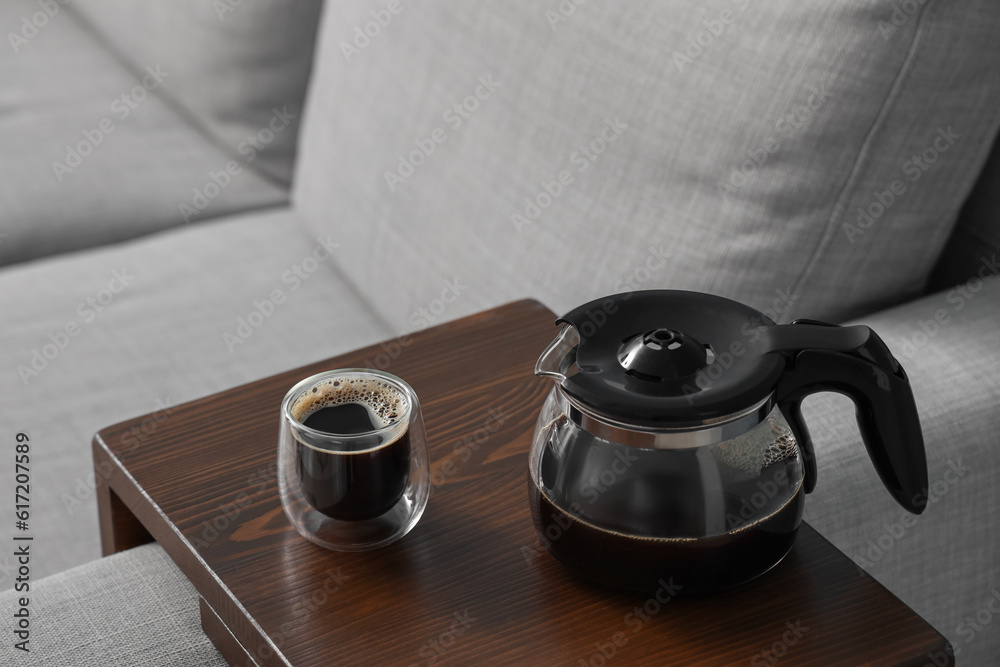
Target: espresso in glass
[(368, 472)]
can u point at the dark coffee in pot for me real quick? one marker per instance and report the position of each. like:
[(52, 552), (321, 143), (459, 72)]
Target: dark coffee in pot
[(627, 517), (696, 565), (367, 473)]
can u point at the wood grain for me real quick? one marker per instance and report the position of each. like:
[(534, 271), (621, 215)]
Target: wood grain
[(470, 584), (230, 647)]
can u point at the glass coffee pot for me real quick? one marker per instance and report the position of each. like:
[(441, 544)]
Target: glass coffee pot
[(672, 447)]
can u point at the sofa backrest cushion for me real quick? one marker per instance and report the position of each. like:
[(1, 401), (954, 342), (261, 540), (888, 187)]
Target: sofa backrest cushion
[(972, 252), (238, 69), (805, 157)]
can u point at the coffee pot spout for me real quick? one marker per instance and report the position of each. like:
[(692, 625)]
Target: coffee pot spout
[(559, 358)]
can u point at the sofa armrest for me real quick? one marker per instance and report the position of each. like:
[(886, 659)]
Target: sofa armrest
[(133, 608), (943, 563), (977, 233)]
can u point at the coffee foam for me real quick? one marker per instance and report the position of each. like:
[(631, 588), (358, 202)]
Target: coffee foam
[(385, 403), (758, 448)]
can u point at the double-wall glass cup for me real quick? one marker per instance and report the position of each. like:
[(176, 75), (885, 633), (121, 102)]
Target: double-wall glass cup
[(352, 459)]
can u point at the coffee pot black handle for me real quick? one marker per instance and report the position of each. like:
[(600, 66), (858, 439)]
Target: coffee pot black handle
[(854, 361)]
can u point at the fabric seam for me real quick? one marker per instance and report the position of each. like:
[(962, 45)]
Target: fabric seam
[(861, 159), (186, 116)]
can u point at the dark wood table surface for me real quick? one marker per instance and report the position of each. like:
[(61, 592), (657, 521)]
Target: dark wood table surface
[(470, 584)]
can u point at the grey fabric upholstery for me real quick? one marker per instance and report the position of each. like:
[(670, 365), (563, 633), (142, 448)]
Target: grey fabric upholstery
[(168, 335), (232, 65), (133, 608), (824, 106), (930, 565), (61, 94), (981, 216), (734, 166), (977, 233), (944, 563)]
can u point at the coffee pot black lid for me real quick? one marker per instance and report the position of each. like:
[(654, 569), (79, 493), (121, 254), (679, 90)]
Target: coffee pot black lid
[(673, 359), (670, 357)]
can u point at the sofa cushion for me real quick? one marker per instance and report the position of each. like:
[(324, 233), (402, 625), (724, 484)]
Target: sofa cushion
[(944, 563), (92, 338), (232, 63), (133, 608), (89, 151), (978, 230), (806, 152)]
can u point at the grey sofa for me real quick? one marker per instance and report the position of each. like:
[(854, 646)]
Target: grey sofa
[(165, 168)]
